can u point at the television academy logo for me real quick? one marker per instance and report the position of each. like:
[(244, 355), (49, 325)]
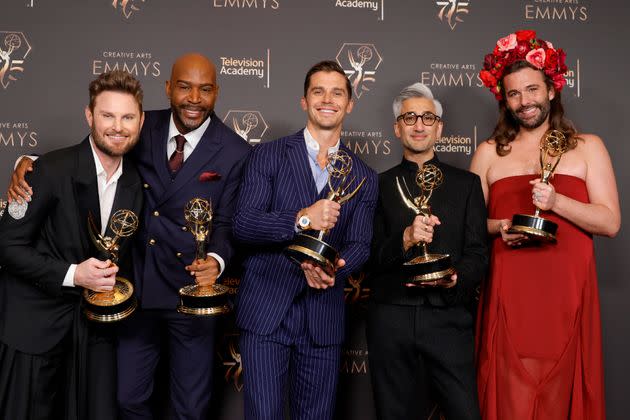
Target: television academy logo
[(452, 11), (370, 5), (127, 7), (230, 356), (360, 62), (464, 144), (13, 51), (247, 67), (248, 124)]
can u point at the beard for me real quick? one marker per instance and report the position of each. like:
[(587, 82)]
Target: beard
[(188, 123), (107, 149), (544, 109)]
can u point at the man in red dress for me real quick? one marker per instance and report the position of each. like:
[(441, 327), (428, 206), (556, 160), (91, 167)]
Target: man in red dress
[(539, 334)]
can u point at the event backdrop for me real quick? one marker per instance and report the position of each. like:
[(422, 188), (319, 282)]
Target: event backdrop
[(50, 50)]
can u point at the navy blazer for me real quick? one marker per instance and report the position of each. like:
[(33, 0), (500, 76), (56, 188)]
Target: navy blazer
[(164, 246), (277, 183)]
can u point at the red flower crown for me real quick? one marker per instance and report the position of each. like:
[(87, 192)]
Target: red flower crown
[(523, 45)]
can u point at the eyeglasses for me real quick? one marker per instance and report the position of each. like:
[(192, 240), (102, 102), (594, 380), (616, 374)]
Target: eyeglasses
[(410, 118)]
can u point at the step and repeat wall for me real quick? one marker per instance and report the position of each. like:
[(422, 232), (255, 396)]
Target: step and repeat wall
[(50, 50)]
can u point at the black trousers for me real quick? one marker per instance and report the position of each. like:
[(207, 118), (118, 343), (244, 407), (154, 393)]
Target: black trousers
[(37, 386), (409, 343)]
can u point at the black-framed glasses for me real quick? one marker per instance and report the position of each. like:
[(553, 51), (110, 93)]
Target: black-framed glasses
[(410, 118)]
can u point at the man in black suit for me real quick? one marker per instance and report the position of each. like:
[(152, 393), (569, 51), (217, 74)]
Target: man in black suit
[(52, 363), (417, 331), (184, 152)]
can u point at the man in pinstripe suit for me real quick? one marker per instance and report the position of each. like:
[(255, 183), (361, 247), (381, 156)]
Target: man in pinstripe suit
[(292, 317)]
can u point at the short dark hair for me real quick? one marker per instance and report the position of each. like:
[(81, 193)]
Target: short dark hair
[(116, 81), (327, 66)]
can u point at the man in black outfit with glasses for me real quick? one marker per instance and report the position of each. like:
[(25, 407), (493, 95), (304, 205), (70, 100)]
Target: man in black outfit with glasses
[(416, 332)]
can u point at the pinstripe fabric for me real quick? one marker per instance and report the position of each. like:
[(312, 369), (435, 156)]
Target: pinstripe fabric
[(292, 333), (285, 360), (278, 183)]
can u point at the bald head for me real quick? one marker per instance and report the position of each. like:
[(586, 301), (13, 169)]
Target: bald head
[(193, 62), (192, 90)]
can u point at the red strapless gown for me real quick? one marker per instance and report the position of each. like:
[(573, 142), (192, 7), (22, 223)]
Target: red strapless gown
[(538, 331)]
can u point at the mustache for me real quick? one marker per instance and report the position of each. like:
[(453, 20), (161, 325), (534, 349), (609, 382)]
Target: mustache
[(524, 108), (193, 108)]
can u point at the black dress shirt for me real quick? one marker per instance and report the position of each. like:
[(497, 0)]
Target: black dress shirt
[(458, 203)]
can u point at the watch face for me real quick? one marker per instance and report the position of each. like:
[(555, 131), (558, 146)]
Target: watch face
[(304, 222)]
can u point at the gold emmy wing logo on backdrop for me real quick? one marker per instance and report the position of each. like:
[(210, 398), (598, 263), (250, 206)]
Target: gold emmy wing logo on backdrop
[(231, 359), (452, 11), (360, 62), (13, 51), (127, 7), (248, 124), (354, 291)]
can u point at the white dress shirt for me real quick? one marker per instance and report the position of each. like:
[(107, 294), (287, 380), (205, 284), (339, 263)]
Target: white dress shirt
[(106, 194), (192, 139)]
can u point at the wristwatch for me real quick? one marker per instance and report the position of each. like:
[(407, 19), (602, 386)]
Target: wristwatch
[(304, 222)]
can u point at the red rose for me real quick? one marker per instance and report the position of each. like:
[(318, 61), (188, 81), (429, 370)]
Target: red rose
[(551, 60), (507, 43), (522, 48), (536, 57), (209, 176), (487, 78), (558, 82), (525, 35), (489, 61)]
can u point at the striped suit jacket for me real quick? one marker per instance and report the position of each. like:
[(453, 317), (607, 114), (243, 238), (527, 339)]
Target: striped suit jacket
[(277, 183)]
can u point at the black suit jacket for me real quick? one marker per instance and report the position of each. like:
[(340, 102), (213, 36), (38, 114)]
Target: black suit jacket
[(36, 311), (458, 203)]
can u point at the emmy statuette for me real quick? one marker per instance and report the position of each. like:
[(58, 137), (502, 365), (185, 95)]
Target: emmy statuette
[(119, 303), (195, 299), (552, 146), (425, 269), (312, 248)]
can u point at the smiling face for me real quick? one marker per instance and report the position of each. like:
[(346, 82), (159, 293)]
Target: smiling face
[(527, 97), (115, 122), (192, 90), (327, 101), (418, 139)]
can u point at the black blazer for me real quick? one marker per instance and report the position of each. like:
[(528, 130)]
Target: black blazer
[(36, 312), (458, 203)]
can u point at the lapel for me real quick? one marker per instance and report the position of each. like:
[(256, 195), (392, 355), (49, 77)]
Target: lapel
[(159, 134), (126, 191), (306, 190), (206, 150), (86, 192)]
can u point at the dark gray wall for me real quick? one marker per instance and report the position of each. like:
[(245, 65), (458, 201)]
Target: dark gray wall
[(64, 44)]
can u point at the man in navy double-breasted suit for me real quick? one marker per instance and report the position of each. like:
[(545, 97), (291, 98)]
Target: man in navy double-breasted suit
[(209, 166), (291, 316)]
